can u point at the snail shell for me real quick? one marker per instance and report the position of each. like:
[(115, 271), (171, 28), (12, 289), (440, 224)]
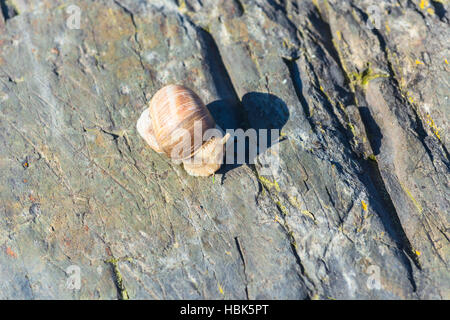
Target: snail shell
[(175, 124)]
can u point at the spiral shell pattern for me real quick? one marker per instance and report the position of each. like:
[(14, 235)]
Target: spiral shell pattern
[(179, 119)]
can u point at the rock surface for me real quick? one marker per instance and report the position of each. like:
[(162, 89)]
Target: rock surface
[(359, 208)]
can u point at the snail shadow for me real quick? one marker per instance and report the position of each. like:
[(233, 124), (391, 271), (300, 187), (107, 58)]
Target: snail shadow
[(256, 115)]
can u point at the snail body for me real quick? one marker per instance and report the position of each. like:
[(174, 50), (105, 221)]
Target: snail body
[(176, 123)]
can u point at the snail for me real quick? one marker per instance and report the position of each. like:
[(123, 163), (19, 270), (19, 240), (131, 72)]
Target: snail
[(178, 124)]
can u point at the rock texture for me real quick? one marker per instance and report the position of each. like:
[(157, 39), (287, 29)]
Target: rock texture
[(358, 210)]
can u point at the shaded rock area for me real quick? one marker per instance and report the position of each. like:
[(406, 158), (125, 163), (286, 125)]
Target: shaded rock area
[(358, 208)]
